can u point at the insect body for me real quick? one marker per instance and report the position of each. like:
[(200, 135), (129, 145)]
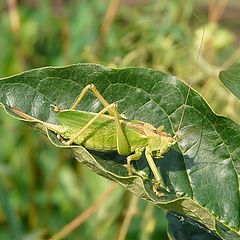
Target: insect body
[(107, 132)]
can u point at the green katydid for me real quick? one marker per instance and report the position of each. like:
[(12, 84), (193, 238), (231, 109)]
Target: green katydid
[(110, 132)]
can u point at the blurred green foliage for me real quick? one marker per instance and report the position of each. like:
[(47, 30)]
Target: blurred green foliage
[(43, 188)]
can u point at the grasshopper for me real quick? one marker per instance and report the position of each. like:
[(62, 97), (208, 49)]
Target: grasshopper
[(110, 132)]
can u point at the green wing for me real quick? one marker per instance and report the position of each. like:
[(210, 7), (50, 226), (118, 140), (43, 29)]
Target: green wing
[(101, 135)]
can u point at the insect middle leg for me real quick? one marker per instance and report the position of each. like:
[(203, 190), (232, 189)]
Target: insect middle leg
[(132, 157)]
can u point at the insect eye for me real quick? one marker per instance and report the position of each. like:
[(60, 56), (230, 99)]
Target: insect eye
[(169, 144)]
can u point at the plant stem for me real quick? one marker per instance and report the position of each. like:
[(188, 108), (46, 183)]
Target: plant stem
[(128, 218), (75, 223)]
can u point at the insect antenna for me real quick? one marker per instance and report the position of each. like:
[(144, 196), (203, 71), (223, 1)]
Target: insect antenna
[(189, 87)]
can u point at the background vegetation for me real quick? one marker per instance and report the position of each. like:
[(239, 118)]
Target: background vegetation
[(43, 188)]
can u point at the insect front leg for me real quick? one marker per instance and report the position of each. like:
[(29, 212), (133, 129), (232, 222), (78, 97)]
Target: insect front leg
[(155, 172)]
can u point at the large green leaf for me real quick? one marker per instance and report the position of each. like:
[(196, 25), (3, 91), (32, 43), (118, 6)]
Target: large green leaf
[(231, 79), (201, 171)]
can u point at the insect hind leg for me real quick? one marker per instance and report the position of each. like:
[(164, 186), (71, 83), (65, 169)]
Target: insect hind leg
[(94, 119), (91, 87), (122, 143)]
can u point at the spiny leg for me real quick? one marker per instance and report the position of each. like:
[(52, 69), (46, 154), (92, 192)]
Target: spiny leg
[(134, 156), (155, 172)]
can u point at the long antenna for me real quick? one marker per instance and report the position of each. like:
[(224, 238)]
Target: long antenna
[(193, 71)]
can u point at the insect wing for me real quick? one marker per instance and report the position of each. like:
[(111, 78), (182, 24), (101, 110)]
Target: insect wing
[(100, 135)]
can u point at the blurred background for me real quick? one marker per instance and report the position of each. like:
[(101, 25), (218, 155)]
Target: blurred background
[(43, 188)]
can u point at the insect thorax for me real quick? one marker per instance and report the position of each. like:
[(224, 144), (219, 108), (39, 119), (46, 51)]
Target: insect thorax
[(159, 145)]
